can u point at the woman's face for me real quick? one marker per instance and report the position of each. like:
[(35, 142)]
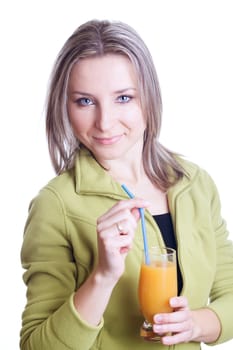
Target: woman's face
[(104, 107)]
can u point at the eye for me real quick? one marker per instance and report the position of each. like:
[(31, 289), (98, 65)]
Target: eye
[(84, 101), (124, 98)]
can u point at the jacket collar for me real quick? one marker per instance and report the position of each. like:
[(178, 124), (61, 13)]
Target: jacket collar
[(184, 185), (91, 178)]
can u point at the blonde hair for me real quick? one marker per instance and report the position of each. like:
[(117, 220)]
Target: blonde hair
[(97, 38)]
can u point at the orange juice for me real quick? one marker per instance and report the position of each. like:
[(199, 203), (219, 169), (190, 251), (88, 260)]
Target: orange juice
[(157, 284)]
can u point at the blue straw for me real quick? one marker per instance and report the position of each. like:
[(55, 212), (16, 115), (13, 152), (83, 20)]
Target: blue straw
[(141, 211)]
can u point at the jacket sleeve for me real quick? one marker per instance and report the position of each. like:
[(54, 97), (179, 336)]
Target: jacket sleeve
[(221, 296), (50, 320)]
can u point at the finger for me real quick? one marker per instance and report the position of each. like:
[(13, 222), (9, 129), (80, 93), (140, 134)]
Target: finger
[(124, 219), (125, 204), (179, 302), (173, 317), (121, 243), (173, 327), (126, 226), (136, 214), (117, 225), (183, 337)]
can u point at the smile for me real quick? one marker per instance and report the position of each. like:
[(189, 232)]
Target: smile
[(107, 140)]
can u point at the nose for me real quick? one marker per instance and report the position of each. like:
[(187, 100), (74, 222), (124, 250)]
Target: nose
[(104, 117)]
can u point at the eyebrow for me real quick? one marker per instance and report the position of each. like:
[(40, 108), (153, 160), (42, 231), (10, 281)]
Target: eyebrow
[(121, 91), (82, 93), (124, 90)]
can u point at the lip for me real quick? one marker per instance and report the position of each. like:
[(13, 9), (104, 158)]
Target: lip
[(107, 140)]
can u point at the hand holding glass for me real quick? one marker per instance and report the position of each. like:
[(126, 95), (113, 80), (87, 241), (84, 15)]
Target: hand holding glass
[(157, 284)]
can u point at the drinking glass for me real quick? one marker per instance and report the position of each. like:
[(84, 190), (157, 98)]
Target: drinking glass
[(157, 284)]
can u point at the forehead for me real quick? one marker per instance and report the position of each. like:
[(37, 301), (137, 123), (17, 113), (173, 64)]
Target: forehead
[(109, 69)]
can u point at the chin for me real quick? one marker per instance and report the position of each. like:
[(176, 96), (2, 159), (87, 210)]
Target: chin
[(108, 156)]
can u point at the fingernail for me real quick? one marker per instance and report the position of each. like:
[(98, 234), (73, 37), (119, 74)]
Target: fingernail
[(173, 301), (158, 318), (146, 202)]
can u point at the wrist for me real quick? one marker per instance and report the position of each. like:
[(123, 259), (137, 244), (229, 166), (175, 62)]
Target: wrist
[(197, 331), (92, 297), (105, 280), (206, 326)]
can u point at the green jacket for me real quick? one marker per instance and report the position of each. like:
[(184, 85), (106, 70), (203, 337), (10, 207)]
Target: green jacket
[(60, 250)]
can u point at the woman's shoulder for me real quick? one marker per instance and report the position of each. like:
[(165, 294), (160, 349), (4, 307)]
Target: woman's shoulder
[(194, 173), (56, 189), (63, 181), (191, 168)]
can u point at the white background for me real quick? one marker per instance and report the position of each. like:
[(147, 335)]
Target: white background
[(191, 42)]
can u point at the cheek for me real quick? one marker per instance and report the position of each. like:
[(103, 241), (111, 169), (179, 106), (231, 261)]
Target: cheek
[(79, 122), (138, 119), (79, 126)]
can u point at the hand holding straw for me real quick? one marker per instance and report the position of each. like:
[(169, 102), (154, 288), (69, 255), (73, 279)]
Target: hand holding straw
[(141, 211)]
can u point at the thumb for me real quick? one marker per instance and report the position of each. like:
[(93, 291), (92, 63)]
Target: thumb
[(136, 213)]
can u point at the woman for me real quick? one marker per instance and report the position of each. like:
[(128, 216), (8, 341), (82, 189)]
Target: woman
[(82, 241)]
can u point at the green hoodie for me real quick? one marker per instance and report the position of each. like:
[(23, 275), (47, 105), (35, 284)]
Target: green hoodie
[(60, 250)]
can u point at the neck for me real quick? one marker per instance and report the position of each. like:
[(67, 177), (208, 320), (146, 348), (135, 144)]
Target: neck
[(128, 172), (132, 174)]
